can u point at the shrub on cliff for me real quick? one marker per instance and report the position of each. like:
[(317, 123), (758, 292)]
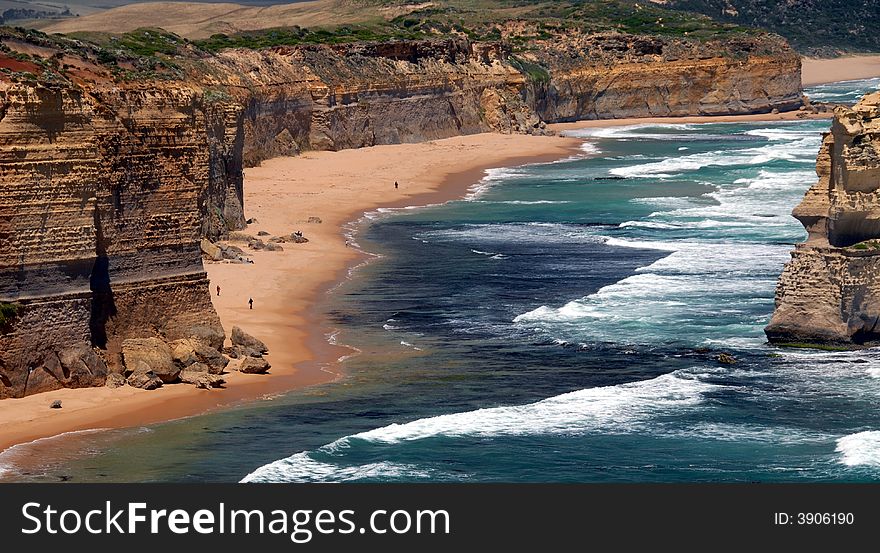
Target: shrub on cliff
[(8, 313)]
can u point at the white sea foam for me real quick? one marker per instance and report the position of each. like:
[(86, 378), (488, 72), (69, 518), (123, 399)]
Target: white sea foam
[(666, 202), (491, 178), (850, 92), (642, 244), (590, 149), (782, 133), (302, 468), (744, 432), (747, 203), (861, 449), (792, 151), (498, 233), (648, 224), (620, 408), (682, 289), (627, 132)]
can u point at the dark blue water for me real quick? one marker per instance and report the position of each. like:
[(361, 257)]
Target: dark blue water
[(561, 324)]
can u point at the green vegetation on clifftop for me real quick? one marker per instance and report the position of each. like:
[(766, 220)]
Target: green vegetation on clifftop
[(491, 20)]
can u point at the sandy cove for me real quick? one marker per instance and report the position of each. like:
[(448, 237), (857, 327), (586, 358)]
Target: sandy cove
[(288, 287)]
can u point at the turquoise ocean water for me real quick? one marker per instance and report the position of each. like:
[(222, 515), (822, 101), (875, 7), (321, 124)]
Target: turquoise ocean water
[(562, 323)]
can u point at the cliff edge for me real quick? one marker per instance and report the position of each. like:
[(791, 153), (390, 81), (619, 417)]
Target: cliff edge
[(829, 293)]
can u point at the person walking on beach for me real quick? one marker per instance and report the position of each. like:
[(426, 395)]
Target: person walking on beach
[(218, 289), (395, 185), (251, 302)]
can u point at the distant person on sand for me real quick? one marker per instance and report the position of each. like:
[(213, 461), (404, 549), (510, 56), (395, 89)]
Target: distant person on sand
[(218, 290), (395, 185), (251, 302)]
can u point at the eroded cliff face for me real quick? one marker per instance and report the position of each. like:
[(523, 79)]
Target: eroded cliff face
[(108, 182), (321, 97), (830, 290), (609, 76), (103, 192), (355, 95)]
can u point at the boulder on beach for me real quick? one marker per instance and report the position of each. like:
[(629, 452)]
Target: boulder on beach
[(241, 338), (82, 366), (211, 250), (115, 380), (201, 379), (144, 379), (150, 355), (213, 336), (254, 365), (190, 350)]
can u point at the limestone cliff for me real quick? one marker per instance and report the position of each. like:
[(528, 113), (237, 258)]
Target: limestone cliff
[(830, 290), (637, 76), (355, 95), (114, 164), (100, 219), (321, 97)]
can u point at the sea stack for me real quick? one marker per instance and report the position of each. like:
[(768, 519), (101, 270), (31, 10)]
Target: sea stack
[(829, 293)]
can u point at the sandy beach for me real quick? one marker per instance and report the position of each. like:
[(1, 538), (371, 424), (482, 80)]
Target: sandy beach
[(288, 287), (820, 71)]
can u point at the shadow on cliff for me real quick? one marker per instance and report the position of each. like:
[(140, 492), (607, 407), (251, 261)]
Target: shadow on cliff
[(103, 304)]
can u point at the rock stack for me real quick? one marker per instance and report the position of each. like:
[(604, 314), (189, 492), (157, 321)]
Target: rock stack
[(829, 293)]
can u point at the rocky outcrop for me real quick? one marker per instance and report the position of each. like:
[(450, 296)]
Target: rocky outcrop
[(252, 345), (253, 365), (144, 379), (150, 354), (189, 352), (829, 293), (201, 379), (74, 366)]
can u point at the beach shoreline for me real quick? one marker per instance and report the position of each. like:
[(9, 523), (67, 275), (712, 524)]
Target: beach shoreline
[(340, 188), (290, 288)]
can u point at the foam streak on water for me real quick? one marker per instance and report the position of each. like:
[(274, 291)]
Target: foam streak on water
[(621, 408)]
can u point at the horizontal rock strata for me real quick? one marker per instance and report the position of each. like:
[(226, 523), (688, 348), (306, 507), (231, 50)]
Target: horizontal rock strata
[(829, 293)]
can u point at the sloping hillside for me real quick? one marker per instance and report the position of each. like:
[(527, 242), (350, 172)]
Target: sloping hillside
[(811, 26)]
